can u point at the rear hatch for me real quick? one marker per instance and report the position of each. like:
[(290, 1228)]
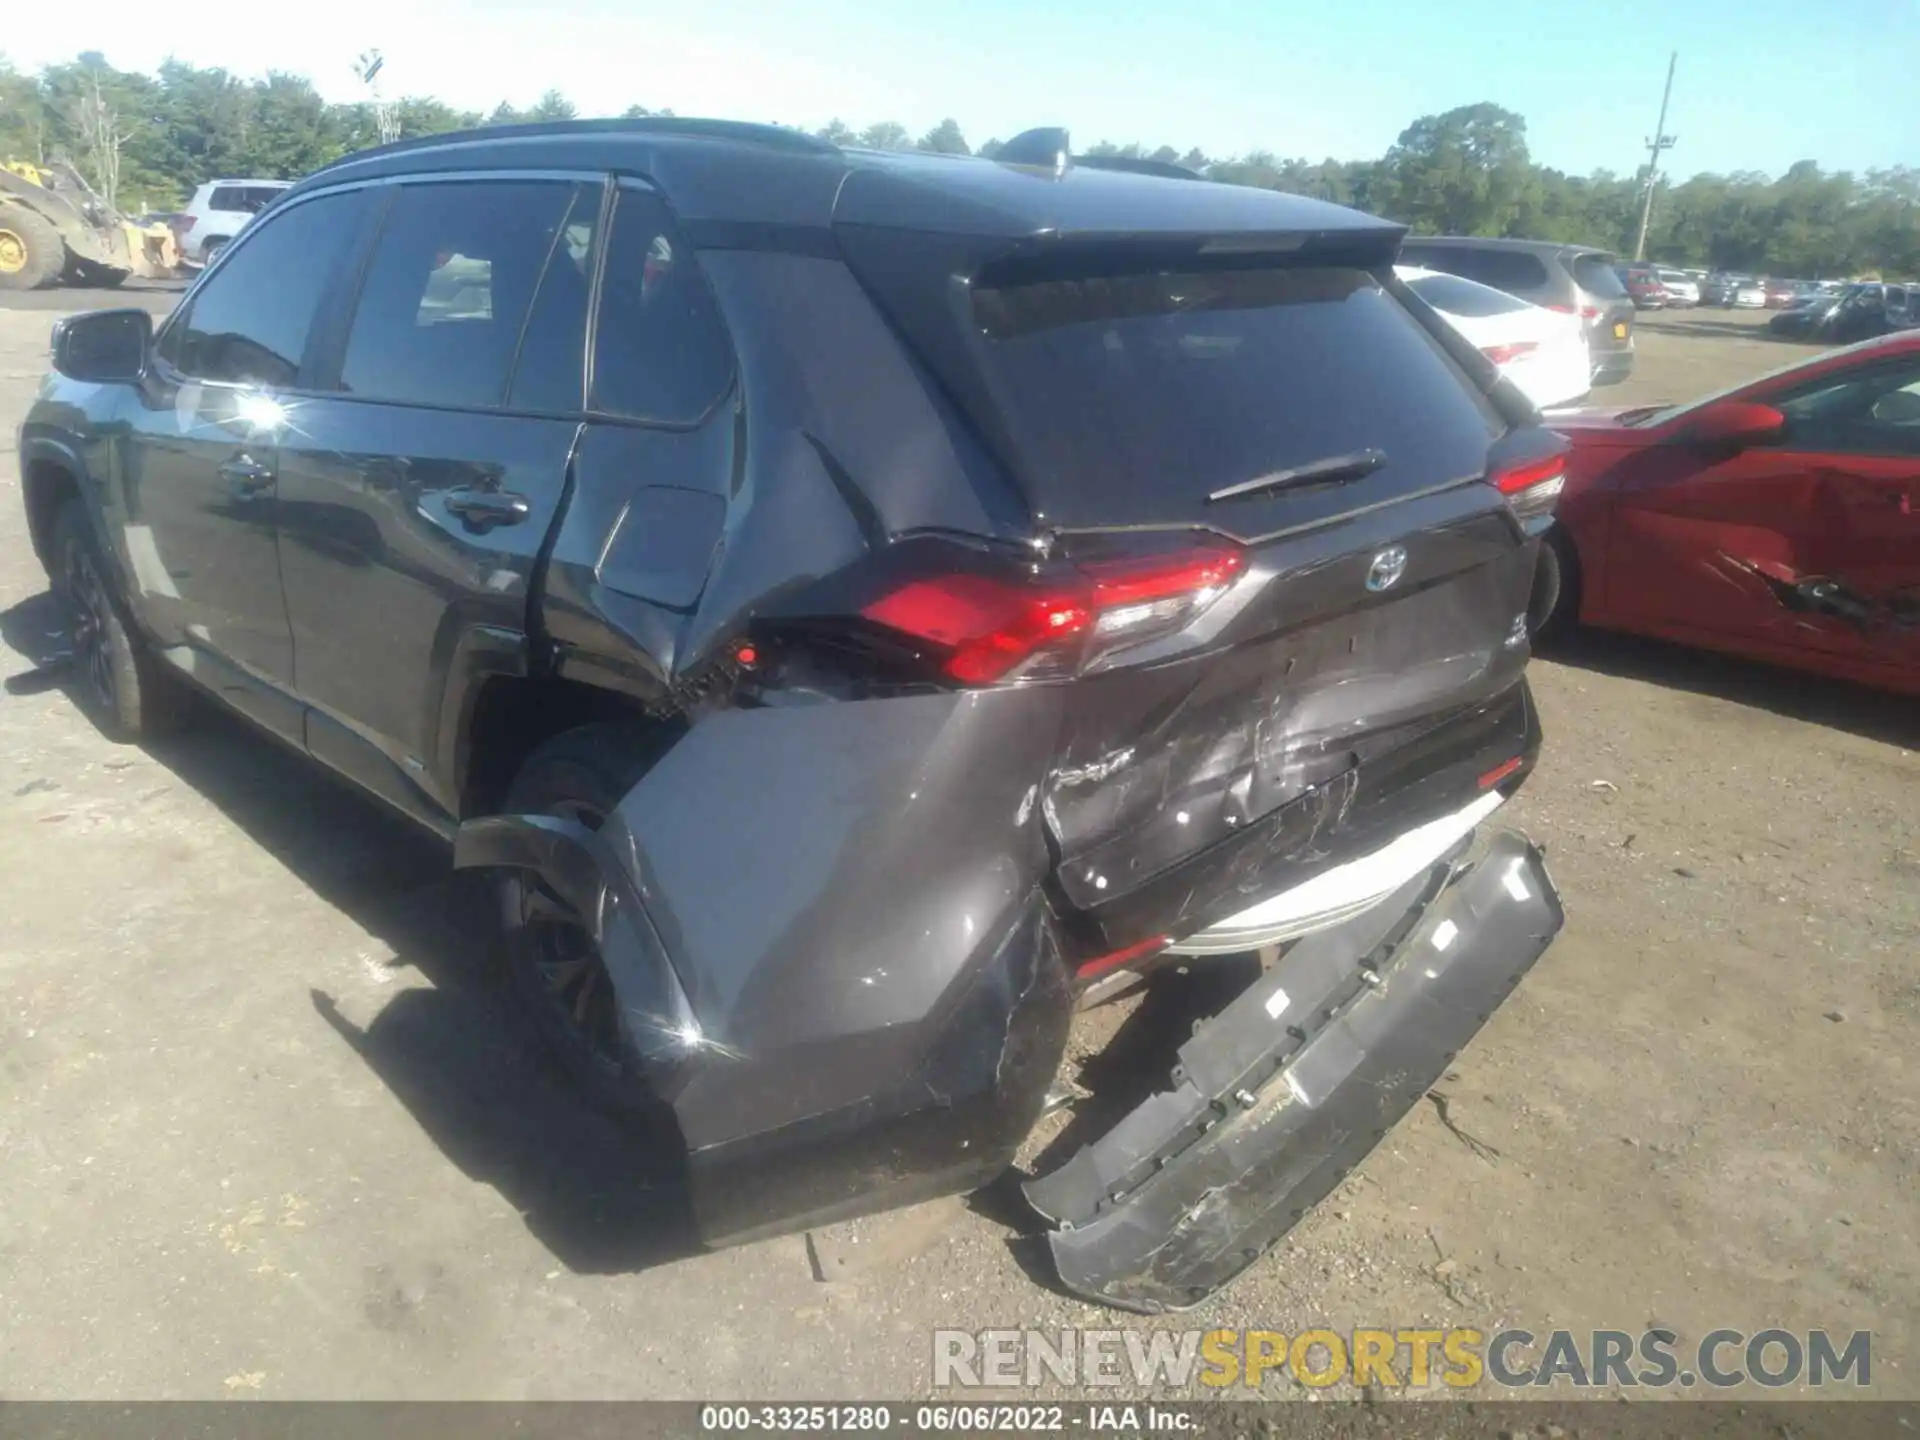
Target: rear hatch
[(1606, 307), (1176, 399)]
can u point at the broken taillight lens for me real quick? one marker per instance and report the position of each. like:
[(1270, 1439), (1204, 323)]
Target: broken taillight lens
[(1531, 486), (986, 628)]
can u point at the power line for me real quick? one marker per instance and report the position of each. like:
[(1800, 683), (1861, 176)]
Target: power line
[(1660, 141)]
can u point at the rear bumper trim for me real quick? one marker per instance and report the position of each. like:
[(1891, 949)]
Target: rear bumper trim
[(1281, 1094), (1342, 892)]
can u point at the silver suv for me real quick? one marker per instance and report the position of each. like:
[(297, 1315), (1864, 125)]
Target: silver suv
[(220, 210), (1573, 279)]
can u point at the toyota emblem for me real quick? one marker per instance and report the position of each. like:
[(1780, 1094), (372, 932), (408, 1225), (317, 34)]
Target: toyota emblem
[(1387, 568)]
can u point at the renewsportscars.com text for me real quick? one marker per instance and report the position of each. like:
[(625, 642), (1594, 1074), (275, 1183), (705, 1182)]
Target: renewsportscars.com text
[(1459, 1358)]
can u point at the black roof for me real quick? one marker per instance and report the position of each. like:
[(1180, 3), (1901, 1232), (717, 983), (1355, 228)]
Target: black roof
[(726, 171)]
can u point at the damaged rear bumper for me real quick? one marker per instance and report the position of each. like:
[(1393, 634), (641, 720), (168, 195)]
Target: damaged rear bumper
[(1285, 1091)]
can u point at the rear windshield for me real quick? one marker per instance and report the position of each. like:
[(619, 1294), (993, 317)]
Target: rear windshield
[(1454, 296), (1136, 396), (1594, 274)]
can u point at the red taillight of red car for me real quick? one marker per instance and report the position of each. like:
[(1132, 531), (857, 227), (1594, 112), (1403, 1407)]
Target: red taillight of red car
[(1531, 486), (1505, 354), (987, 628)]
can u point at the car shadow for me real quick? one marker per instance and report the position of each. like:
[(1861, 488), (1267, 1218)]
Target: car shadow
[(602, 1195), (1872, 714), (1677, 325)]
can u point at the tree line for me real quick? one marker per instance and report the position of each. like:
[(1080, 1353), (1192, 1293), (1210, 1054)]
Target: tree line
[(145, 141)]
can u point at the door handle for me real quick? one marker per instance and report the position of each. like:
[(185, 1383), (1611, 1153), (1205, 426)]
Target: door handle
[(246, 476), (482, 510)]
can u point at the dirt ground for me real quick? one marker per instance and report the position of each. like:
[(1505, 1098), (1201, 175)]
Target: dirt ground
[(266, 1130)]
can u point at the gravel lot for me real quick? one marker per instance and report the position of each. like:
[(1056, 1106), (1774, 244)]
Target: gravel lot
[(265, 1129)]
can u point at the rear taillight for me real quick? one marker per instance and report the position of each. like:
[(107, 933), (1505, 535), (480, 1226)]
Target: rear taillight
[(1589, 312), (984, 629), (1503, 354), (1531, 486), (185, 223)]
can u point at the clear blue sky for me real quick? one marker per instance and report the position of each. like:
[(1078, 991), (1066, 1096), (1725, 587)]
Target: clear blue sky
[(1761, 83)]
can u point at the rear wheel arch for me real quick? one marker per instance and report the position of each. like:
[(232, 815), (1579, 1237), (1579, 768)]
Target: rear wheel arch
[(510, 717)]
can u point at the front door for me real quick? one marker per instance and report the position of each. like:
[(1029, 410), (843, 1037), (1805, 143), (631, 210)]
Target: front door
[(199, 487), (1810, 543)]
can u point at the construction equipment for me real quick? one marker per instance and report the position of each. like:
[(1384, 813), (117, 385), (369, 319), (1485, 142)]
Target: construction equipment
[(54, 228)]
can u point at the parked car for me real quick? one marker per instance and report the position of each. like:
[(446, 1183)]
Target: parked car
[(1541, 351), (220, 210), (1779, 519), (1680, 287), (1749, 295), (1901, 305), (1573, 279), (842, 684), (1803, 319), (1643, 286), (1780, 293), (1718, 289)]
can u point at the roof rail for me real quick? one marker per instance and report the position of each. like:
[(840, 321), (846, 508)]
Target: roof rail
[(773, 136)]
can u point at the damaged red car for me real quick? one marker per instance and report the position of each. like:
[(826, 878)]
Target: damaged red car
[(1779, 520)]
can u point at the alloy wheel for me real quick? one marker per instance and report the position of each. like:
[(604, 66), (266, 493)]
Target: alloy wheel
[(90, 616)]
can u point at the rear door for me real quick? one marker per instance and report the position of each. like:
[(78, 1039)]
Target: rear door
[(1811, 543), (416, 493)]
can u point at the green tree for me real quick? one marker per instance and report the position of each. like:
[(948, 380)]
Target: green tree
[(1464, 172), (552, 106), (837, 132), (945, 139), (887, 135)]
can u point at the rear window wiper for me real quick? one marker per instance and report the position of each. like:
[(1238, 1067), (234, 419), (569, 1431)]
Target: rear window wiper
[(1331, 470)]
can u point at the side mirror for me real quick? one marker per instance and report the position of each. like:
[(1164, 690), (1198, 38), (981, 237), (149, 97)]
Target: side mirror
[(103, 346), (1736, 422)]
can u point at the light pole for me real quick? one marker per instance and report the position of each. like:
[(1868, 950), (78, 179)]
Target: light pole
[(1660, 141)]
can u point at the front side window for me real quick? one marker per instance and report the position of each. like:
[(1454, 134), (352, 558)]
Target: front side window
[(248, 325), (452, 280), (1875, 412)]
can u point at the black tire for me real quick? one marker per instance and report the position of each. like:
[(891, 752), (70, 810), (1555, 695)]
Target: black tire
[(121, 687), (1554, 607), (31, 251), (555, 970), (210, 252)]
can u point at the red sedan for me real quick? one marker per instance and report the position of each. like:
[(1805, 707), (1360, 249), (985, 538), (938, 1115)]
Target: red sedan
[(1778, 520)]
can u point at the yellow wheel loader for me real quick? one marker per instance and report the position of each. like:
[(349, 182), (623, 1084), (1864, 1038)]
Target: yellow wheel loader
[(54, 229)]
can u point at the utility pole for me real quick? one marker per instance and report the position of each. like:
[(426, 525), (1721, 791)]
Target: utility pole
[(1660, 141), (368, 66)]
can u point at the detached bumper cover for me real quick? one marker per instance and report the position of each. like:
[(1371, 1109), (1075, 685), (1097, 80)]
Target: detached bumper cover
[(1279, 1096)]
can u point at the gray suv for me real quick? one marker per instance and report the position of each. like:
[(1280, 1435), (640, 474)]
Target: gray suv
[(1573, 279)]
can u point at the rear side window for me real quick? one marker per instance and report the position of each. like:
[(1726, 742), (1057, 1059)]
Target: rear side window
[(248, 324), (449, 288), (1131, 394), (1514, 271), (1594, 274), (1454, 296), (247, 199), (660, 351)]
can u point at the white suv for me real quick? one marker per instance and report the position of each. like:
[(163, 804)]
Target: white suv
[(219, 210)]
